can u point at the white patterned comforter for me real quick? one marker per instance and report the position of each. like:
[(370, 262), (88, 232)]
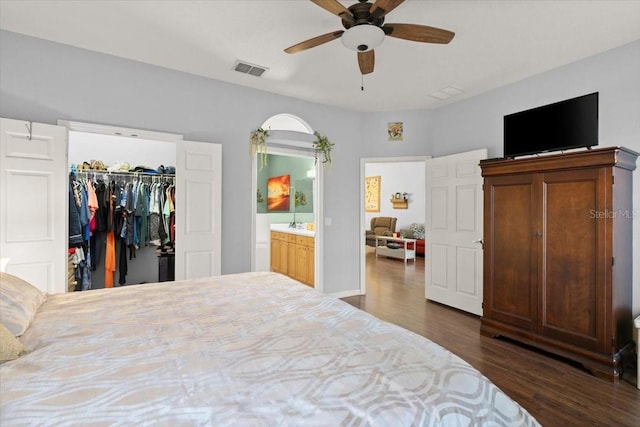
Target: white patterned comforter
[(254, 349)]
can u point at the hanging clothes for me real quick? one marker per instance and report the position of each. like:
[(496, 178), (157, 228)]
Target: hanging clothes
[(171, 193), (116, 217), (75, 227), (86, 273), (156, 217), (110, 260), (102, 195), (122, 263), (142, 215), (92, 200), (85, 213)]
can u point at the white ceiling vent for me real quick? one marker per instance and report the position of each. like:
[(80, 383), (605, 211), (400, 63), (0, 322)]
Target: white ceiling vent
[(247, 68), (446, 93)]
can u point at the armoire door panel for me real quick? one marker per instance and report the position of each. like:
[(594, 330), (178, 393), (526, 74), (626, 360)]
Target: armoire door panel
[(512, 296), (570, 277)]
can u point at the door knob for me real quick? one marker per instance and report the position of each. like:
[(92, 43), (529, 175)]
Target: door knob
[(478, 241)]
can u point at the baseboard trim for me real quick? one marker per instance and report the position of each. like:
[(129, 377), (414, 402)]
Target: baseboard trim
[(345, 294)]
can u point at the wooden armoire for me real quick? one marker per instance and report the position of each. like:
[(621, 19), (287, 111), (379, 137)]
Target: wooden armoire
[(558, 254)]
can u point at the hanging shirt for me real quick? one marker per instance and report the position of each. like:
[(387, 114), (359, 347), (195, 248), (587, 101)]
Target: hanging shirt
[(110, 260), (85, 214), (92, 199), (75, 228), (103, 206)]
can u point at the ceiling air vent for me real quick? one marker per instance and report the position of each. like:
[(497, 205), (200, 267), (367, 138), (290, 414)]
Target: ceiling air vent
[(247, 68), (446, 93)]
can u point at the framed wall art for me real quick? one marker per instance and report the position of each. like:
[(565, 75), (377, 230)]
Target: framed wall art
[(278, 188), (372, 194), (394, 130)]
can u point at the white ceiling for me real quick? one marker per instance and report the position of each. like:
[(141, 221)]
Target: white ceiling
[(496, 42)]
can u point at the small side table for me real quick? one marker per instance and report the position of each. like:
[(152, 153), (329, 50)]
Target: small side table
[(402, 251)]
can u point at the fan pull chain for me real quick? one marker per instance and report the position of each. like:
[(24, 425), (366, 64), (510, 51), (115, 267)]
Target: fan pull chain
[(362, 82)]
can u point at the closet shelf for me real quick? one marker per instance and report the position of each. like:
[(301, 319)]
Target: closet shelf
[(123, 172)]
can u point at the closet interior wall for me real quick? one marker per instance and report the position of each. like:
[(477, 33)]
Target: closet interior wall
[(109, 149)]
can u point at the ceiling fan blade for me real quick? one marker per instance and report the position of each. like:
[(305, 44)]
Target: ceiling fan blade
[(366, 61), (418, 33), (381, 7), (336, 8), (316, 41)]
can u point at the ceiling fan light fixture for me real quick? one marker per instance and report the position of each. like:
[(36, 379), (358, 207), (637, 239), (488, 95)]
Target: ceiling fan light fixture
[(362, 38)]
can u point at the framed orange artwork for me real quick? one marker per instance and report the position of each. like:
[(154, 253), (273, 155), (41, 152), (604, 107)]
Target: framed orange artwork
[(372, 194), (278, 193)]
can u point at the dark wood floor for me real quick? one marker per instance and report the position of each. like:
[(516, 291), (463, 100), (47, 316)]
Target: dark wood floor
[(555, 391)]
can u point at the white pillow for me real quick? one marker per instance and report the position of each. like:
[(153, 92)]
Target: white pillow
[(19, 301)]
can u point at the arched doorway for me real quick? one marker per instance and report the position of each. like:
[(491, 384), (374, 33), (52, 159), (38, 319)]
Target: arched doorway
[(289, 144)]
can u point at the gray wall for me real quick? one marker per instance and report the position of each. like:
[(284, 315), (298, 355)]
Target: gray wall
[(44, 82), (399, 177), (477, 122)]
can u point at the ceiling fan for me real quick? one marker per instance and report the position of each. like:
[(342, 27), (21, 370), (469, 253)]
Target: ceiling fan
[(365, 29)]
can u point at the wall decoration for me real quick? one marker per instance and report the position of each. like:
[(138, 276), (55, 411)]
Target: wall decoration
[(372, 194), (400, 200), (303, 195), (278, 193), (258, 145), (301, 199), (394, 130), (323, 148)]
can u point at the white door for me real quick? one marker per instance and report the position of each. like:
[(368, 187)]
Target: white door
[(33, 202), (453, 252), (199, 208)]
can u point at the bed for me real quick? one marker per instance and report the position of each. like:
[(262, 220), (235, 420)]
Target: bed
[(251, 349)]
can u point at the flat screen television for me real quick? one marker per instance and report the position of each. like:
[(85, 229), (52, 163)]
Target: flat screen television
[(564, 125)]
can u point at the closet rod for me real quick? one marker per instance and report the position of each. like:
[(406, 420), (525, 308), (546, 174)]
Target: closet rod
[(102, 174)]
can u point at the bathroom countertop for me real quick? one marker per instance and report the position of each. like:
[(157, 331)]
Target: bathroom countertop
[(284, 228)]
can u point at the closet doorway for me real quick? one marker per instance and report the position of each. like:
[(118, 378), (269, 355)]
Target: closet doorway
[(197, 185), (132, 163), (290, 140)]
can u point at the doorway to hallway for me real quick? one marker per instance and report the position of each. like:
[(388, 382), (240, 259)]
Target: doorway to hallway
[(404, 176)]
